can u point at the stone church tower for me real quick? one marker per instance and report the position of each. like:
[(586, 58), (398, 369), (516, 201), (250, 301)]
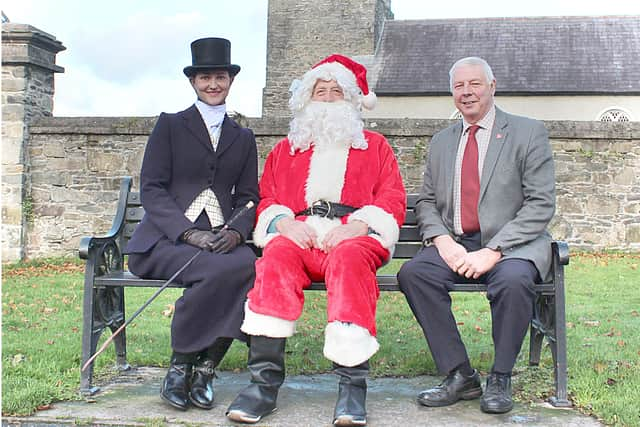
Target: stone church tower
[(301, 32)]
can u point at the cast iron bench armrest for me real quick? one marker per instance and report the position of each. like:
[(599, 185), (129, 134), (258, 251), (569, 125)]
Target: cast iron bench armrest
[(561, 250)]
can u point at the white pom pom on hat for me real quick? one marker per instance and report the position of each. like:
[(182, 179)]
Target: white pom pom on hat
[(369, 99)]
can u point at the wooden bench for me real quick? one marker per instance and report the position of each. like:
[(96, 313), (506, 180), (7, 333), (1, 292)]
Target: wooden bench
[(106, 279)]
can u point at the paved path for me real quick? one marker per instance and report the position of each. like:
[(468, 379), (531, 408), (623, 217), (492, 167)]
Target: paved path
[(132, 400)]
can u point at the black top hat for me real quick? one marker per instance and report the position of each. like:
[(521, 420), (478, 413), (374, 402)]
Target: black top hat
[(211, 54)]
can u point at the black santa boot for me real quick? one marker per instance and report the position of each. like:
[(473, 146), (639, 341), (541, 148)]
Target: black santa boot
[(177, 383), (266, 365), (203, 373), (352, 394)]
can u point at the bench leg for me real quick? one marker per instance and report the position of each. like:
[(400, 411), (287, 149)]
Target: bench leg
[(549, 321), (559, 348), (104, 308), (110, 303), (91, 331), (536, 339), (540, 324), (117, 319)]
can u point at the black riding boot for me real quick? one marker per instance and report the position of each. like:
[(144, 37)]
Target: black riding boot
[(266, 365), (352, 393), (203, 373), (177, 383)]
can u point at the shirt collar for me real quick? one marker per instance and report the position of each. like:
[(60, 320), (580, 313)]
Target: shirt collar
[(485, 123), (213, 115)]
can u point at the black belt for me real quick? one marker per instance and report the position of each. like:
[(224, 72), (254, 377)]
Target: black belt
[(327, 209)]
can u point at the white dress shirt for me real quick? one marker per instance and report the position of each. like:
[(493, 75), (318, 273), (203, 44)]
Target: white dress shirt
[(483, 136)]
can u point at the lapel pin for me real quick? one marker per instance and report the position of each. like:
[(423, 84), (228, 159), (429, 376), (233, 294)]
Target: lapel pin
[(498, 136)]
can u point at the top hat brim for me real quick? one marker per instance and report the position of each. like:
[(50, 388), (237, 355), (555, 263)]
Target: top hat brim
[(191, 70)]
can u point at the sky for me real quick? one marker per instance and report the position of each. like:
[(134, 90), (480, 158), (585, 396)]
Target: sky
[(125, 58)]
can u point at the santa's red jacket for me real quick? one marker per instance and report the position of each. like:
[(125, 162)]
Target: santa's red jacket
[(368, 180)]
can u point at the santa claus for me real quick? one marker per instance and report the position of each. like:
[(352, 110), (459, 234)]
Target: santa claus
[(332, 202)]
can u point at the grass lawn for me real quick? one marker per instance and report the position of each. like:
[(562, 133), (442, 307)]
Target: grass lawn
[(42, 318)]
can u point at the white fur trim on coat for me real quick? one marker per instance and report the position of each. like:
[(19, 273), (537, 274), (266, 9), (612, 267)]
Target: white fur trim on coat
[(264, 325), (348, 344), (381, 221), (327, 169), (260, 235)]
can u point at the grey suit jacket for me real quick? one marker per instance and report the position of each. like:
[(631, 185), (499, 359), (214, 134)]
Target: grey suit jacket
[(517, 189)]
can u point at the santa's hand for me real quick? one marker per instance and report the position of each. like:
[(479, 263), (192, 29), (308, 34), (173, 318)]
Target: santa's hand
[(297, 231), (344, 231)]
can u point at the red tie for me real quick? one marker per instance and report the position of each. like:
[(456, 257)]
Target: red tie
[(470, 184)]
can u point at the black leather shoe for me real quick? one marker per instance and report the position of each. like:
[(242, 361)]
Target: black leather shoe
[(202, 384), (176, 384), (454, 387), (497, 395)]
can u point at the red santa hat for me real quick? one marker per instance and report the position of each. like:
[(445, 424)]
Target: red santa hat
[(368, 98), (350, 75)]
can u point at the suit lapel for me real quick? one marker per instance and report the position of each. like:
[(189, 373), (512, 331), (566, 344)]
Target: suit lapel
[(194, 123), (499, 136), (230, 132)]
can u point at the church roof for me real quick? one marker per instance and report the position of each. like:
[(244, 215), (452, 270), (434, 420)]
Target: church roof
[(544, 55)]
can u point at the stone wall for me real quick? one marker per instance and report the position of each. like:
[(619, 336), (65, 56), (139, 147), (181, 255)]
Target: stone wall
[(76, 165)]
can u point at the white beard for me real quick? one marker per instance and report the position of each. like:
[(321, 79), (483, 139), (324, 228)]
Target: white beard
[(326, 125)]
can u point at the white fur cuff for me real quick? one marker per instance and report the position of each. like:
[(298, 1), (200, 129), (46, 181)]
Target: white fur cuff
[(348, 344), (379, 220), (260, 235), (268, 326)]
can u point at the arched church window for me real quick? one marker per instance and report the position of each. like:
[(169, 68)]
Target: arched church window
[(614, 115)]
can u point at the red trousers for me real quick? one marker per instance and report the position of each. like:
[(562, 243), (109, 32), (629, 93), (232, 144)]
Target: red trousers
[(349, 272)]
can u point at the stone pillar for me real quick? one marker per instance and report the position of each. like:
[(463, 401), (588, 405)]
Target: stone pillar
[(301, 32), (28, 67)]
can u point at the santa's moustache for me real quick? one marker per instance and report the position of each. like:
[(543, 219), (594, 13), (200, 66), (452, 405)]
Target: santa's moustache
[(324, 124)]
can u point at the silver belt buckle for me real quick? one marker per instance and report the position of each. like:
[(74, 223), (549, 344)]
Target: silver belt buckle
[(319, 203)]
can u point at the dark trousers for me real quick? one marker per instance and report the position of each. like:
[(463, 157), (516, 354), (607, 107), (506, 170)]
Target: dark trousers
[(426, 281), (212, 306)]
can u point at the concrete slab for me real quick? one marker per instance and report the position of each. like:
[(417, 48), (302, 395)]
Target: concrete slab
[(133, 400)]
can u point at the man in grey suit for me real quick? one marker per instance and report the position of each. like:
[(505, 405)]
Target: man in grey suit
[(487, 198)]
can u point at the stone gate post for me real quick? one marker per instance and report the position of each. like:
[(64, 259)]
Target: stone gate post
[(28, 67)]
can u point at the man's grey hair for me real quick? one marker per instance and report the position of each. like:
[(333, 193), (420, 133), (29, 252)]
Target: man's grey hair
[(470, 60)]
